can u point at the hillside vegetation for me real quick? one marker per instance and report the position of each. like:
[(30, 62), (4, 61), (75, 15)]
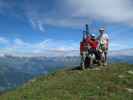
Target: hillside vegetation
[(114, 82)]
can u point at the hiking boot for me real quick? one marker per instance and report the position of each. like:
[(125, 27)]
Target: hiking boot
[(105, 64), (99, 63)]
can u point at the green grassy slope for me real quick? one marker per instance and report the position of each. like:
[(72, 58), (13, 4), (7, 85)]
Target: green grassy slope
[(114, 82)]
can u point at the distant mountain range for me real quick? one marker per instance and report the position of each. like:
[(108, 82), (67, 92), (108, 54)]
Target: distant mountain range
[(15, 70), (122, 56), (11, 77), (125, 52)]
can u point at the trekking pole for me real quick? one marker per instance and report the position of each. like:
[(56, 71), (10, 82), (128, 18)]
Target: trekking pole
[(87, 30), (84, 36)]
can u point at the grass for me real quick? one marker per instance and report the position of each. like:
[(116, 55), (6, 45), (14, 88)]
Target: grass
[(109, 83)]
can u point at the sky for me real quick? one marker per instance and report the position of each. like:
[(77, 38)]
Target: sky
[(54, 27)]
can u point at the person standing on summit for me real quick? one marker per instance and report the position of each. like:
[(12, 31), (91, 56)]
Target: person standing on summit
[(103, 42)]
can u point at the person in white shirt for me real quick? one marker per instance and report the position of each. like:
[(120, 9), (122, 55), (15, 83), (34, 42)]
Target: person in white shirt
[(103, 39)]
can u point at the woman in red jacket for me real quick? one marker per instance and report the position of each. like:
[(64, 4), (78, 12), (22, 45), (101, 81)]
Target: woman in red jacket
[(93, 42)]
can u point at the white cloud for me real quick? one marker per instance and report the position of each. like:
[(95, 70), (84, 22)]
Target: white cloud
[(108, 10), (40, 25), (37, 24), (75, 13), (46, 47), (71, 13), (118, 45), (19, 42), (3, 40)]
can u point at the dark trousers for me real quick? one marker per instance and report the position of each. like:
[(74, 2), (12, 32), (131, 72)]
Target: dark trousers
[(105, 53), (96, 52)]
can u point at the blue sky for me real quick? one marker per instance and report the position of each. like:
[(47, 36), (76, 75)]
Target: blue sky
[(54, 27)]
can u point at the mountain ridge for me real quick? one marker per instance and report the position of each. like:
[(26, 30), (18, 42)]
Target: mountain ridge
[(105, 83), (30, 67)]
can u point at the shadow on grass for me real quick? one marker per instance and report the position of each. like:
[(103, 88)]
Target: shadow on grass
[(76, 68)]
